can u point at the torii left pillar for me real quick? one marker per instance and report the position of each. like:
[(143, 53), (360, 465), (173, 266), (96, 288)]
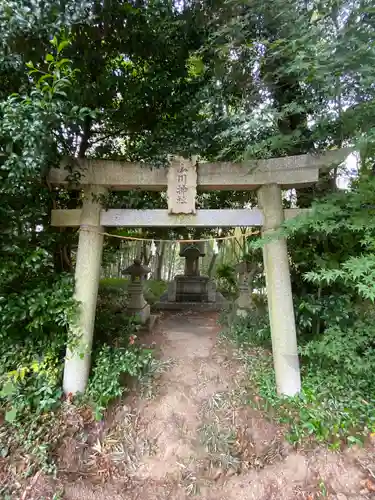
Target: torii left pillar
[(87, 275)]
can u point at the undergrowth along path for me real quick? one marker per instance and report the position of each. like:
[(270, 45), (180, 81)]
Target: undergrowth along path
[(193, 435)]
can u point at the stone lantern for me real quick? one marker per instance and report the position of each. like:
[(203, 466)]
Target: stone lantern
[(137, 305), (243, 301)]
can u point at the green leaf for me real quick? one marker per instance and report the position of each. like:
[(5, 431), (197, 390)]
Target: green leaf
[(314, 16), (353, 440), (195, 66), (44, 78), (10, 415), (35, 366), (62, 45), (8, 389), (62, 62), (49, 58)]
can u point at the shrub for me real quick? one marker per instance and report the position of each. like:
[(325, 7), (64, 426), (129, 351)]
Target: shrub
[(315, 314), (336, 345), (226, 277), (115, 355), (34, 331), (347, 352), (32, 353), (153, 289), (34, 326), (110, 366), (251, 330)]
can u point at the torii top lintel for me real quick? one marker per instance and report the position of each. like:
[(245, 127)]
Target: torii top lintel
[(286, 171)]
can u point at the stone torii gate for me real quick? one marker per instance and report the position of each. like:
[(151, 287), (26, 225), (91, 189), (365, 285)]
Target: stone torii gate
[(182, 179)]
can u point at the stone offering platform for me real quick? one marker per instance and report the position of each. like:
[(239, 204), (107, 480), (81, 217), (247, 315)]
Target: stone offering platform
[(191, 291), (164, 305)]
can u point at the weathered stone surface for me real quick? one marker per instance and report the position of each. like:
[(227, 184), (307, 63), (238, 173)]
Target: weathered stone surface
[(137, 305), (191, 291), (136, 271), (182, 186), (286, 171), (87, 274), (143, 315), (211, 291), (161, 218), (242, 271), (244, 300), (192, 255), (200, 245), (241, 267), (191, 288), (171, 294), (279, 294), (136, 299), (219, 304)]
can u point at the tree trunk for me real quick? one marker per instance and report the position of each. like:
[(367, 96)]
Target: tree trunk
[(160, 261), (172, 255), (62, 253)]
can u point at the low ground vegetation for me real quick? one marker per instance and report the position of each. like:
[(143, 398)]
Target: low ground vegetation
[(332, 266), (35, 415), (336, 405)]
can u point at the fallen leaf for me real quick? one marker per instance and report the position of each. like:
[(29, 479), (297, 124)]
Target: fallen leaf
[(370, 485)]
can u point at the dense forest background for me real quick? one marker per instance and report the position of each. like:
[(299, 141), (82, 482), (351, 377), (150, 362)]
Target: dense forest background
[(226, 80)]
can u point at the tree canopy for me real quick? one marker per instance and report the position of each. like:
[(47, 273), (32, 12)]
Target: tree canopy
[(227, 80)]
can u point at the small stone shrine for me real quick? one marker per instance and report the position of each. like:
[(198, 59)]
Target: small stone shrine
[(191, 290), (137, 305)]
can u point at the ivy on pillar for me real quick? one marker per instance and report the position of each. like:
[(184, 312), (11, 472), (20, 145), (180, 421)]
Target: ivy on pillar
[(279, 293), (87, 275)]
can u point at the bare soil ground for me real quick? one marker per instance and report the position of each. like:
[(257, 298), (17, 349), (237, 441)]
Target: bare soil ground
[(190, 434)]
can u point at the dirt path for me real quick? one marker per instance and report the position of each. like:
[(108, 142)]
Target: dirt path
[(196, 437)]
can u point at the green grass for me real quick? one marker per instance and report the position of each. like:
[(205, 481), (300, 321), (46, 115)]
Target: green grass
[(153, 289), (114, 282)]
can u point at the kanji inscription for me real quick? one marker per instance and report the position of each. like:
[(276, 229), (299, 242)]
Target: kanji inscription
[(182, 186)]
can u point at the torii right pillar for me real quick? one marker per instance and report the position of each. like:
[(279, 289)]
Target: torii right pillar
[(279, 293)]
